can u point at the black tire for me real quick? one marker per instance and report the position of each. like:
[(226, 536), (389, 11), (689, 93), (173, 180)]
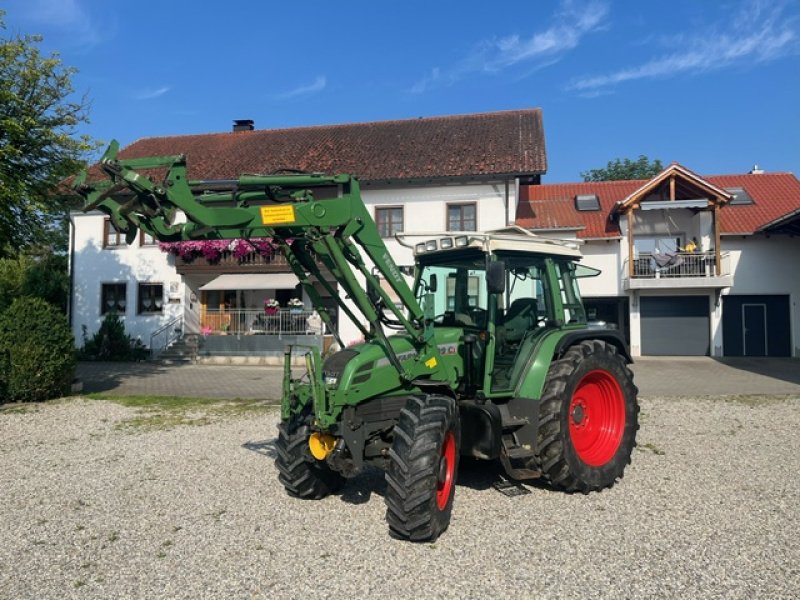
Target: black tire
[(300, 473), (422, 469), (588, 418)]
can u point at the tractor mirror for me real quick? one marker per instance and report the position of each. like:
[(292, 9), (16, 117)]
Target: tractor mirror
[(496, 277), (433, 284)]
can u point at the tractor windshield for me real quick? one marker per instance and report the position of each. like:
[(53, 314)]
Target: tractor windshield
[(459, 291)]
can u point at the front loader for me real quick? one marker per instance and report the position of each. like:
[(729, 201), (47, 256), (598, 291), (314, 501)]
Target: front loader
[(490, 355)]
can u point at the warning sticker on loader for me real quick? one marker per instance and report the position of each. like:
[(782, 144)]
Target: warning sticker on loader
[(275, 215)]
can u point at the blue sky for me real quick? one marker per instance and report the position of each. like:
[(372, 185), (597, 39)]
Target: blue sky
[(713, 85)]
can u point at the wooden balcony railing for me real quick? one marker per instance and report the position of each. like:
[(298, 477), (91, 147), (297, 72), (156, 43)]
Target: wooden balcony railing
[(252, 262)]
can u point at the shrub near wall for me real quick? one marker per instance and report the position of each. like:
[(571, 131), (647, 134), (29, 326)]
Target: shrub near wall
[(39, 351)]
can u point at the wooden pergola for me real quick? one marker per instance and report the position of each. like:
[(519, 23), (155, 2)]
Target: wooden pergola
[(676, 187)]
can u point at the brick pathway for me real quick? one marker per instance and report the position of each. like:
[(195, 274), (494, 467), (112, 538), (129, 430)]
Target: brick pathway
[(655, 376)]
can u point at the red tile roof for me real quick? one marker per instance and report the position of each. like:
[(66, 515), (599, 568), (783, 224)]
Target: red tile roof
[(508, 142), (553, 206)]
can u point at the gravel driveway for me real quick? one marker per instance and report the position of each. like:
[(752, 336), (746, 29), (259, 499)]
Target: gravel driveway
[(92, 505)]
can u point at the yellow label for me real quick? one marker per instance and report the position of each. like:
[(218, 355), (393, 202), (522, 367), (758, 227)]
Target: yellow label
[(273, 215), (431, 362)]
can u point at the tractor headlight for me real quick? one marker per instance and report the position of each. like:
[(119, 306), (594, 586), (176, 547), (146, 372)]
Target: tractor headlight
[(446, 243), (462, 241), (419, 248), (330, 379), (430, 245)]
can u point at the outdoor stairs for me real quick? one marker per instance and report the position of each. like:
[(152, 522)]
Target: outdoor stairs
[(182, 351), (518, 419)]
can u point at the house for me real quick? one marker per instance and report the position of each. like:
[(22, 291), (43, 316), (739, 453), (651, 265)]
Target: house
[(422, 175), (691, 265)]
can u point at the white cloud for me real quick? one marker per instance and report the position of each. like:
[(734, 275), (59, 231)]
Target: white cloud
[(68, 16), (314, 87), (150, 94), (758, 33), (542, 48)]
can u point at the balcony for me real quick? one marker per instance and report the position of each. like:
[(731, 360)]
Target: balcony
[(255, 321), (252, 262), (680, 270)]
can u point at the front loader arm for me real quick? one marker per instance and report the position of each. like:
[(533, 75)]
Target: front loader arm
[(307, 215)]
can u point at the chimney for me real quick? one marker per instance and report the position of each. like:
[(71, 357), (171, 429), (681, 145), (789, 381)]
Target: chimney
[(756, 170), (243, 125)]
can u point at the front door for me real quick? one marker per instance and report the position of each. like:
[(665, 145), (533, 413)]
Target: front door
[(754, 327)]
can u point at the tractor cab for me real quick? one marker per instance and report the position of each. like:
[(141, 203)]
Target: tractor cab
[(505, 289)]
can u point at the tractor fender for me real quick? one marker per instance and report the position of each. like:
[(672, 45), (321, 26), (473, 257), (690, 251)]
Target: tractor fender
[(551, 346), (610, 336)]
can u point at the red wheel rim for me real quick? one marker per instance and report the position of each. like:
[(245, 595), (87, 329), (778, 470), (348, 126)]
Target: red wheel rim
[(597, 418), (447, 467)]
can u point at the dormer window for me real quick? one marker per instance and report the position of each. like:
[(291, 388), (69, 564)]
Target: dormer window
[(740, 196), (587, 202)]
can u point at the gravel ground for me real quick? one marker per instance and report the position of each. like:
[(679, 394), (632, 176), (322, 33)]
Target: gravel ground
[(90, 507)]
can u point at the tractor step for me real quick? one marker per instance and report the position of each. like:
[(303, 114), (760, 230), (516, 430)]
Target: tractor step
[(511, 423), (518, 452), (510, 488), (517, 473)]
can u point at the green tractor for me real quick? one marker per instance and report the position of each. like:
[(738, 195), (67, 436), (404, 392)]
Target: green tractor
[(488, 355)]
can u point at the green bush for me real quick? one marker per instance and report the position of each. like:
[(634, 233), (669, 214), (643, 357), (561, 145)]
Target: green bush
[(111, 342), (39, 349)]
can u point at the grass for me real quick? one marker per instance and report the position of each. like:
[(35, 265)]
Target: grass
[(19, 408), (168, 412), (652, 448)]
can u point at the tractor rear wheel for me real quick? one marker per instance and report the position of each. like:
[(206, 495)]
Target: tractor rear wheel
[(422, 468), (300, 473), (588, 418)]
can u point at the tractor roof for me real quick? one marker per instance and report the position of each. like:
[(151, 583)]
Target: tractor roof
[(511, 239)]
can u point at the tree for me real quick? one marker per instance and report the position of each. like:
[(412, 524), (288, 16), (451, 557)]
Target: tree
[(618, 169), (39, 146), (44, 276)]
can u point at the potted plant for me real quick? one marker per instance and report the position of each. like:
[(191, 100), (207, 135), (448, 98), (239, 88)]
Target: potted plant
[(295, 306), (271, 307)]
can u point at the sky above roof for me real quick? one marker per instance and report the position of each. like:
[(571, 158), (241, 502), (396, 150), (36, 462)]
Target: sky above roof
[(712, 85)]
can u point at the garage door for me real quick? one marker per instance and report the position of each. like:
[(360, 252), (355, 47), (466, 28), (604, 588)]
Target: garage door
[(675, 325), (756, 325)]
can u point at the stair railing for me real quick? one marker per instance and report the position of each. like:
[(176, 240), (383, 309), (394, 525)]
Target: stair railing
[(165, 335)]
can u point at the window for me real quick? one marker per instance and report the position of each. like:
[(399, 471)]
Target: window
[(460, 295), (111, 235), (112, 298), (473, 290), (151, 298), (740, 195), (462, 217), (389, 220), (145, 239)]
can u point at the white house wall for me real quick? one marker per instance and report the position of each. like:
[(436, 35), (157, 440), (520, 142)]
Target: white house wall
[(425, 209), (606, 256), (94, 265), (767, 265)]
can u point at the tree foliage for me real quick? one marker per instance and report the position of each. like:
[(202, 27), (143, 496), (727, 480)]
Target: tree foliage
[(619, 169), (37, 351), (39, 146), (43, 276)]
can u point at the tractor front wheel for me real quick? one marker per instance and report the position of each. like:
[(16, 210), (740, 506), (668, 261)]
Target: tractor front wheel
[(300, 473), (588, 418), (422, 468)]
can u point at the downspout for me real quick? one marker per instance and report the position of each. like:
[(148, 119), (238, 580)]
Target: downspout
[(516, 197), (71, 267), (506, 203)]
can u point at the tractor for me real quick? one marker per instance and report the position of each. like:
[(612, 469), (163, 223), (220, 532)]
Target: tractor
[(487, 354)]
